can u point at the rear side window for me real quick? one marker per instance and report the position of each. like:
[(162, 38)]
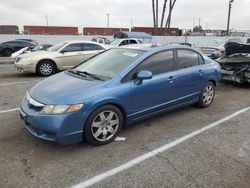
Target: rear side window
[(90, 47), (187, 58), (159, 63)]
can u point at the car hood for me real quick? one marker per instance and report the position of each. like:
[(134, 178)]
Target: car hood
[(37, 54), (65, 89)]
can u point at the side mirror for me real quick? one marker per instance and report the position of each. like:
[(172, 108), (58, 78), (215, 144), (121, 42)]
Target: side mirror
[(63, 51), (143, 75)]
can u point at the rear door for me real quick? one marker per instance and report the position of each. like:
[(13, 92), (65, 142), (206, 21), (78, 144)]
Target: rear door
[(158, 93), (90, 49), (191, 72)]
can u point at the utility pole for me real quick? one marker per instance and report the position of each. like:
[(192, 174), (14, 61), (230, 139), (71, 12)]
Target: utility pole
[(229, 15), (108, 20), (46, 18), (131, 24)]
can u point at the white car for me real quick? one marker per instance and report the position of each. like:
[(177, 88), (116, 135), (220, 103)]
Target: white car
[(215, 52), (126, 41), (61, 56)]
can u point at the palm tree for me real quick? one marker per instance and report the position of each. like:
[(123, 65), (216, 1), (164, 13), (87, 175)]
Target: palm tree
[(153, 7), (171, 7), (157, 5), (163, 12)]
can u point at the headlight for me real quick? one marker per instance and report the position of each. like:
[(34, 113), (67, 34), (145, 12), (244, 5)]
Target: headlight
[(25, 59), (60, 109)]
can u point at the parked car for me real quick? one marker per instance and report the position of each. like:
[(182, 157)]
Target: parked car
[(40, 47), (30, 40), (215, 52), (101, 40), (61, 56), (125, 41), (9, 47), (120, 86)]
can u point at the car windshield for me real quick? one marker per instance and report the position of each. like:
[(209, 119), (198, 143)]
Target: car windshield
[(56, 47), (37, 48), (110, 63), (115, 42)]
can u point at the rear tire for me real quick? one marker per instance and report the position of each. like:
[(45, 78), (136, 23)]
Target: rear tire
[(7, 52), (103, 125), (46, 68), (207, 95)]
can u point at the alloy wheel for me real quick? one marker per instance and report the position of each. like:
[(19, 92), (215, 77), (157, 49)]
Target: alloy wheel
[(208, 94), (46, 69), (105, 125)]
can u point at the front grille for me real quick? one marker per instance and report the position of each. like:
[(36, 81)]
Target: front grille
[(36, 108), (18, 59), (33, 104)]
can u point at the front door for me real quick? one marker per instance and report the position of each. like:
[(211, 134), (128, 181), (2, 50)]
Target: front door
[(158, 93), (70, 56)]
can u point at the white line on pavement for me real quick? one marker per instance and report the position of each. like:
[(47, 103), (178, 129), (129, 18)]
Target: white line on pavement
[(13, 83), (155, 152), (10, 110)]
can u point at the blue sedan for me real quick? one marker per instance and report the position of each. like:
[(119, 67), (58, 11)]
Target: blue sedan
[(120, 86)]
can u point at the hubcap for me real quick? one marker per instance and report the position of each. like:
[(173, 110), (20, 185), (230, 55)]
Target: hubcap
[(105, 125), (208, 94), (46, 69)]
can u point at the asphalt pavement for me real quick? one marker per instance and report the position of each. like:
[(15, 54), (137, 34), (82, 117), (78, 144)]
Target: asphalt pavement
[(217, 157)]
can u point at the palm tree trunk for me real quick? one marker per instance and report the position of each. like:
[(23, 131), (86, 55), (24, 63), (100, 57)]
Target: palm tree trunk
[(168, 22), (153, 8), (157, 6), (163, 12)]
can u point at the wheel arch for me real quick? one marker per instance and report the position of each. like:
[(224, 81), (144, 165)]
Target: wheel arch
[(40, 61), (213, 81), (113, 103)]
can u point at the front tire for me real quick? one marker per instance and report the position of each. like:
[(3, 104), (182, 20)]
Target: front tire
[(46, 68), (207, 95), (7, 52), (103, 125)]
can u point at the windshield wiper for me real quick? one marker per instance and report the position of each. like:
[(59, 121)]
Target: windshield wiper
[(86, 74), (92, 75)]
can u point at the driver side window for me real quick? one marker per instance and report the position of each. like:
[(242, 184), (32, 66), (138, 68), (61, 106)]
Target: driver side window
[(158, 63)]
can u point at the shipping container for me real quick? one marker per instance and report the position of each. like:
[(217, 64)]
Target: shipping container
[(158, 31), (102, 31), (9, 29), (50, 30)]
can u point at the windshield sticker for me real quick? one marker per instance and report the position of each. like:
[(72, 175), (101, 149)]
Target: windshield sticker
[(131, 54)]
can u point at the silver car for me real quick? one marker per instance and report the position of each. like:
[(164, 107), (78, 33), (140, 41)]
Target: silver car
[(58, 57)]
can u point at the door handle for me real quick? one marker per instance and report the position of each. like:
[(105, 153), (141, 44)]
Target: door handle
[(171, 79), (201, 72)]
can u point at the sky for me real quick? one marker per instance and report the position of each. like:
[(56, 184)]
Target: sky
[(87, 13)]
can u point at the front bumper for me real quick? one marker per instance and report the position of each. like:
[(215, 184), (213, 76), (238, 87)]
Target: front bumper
[(64, 128), (21, 66)]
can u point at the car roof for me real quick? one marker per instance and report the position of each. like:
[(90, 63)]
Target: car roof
[(83, 41), (156, 47)]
